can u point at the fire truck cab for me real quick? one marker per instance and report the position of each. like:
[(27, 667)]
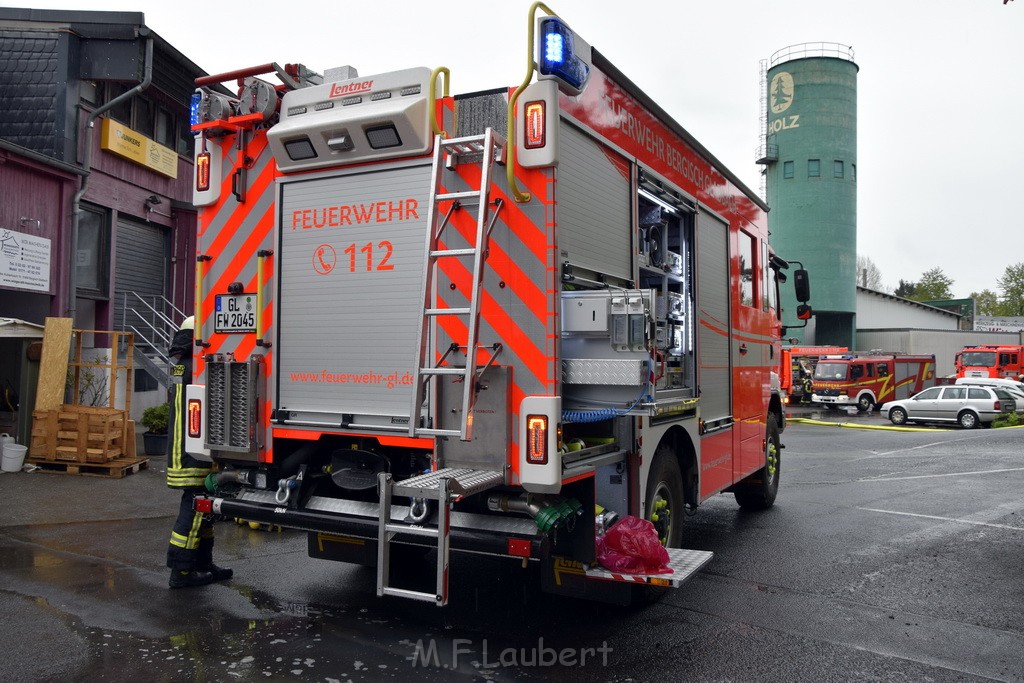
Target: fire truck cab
[(990, 360), (489, 323)]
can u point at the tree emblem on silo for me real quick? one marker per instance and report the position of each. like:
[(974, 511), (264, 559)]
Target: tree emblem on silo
[(781, 92)]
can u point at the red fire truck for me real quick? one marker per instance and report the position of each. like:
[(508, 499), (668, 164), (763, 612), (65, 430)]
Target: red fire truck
[(486, 323), (990, 361), (796, 370), (867, 381)]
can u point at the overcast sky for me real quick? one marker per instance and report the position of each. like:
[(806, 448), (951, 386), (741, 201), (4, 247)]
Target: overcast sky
[(940, 89)]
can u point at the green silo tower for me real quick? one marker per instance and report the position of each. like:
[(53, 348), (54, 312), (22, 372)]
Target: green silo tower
[(809, 154)]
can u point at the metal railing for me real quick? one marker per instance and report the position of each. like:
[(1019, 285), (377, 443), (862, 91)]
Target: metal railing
[(805, 50), (153, 319)]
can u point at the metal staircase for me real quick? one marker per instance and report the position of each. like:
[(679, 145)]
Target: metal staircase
[(482, 150), (444, 486), (153, 320)]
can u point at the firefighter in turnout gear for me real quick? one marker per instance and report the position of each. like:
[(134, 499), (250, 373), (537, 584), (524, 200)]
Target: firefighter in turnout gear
[(190, 553)]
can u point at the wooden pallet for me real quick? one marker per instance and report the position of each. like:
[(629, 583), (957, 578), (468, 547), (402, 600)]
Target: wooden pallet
[(114, 469), (84, 434)]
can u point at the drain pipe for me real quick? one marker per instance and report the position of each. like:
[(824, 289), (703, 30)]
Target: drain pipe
[(76, 203)]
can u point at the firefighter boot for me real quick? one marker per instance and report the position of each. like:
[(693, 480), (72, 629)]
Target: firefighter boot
[(191, 579), (220, 573)]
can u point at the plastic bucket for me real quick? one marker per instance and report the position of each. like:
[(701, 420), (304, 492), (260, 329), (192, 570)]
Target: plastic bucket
[(13, 458)]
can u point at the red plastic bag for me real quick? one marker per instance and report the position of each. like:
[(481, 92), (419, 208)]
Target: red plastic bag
[(632, 547)]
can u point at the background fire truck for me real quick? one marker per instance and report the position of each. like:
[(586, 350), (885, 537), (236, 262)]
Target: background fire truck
[(870, 380), (990, 361), (796, 370), (489, 323)]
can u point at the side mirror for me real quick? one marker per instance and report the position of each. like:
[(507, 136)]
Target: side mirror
[(802, 285)]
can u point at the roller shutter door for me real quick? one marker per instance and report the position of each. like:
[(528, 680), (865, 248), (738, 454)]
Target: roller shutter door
[(141, 262)]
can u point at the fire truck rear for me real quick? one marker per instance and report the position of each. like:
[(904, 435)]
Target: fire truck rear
[(491, 323), (870, 380)]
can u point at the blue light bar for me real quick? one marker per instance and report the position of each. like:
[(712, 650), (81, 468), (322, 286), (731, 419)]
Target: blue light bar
[(558, 58), (194, 111)]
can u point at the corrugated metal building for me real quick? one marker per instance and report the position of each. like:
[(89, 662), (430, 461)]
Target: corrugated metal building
[(891, 323)]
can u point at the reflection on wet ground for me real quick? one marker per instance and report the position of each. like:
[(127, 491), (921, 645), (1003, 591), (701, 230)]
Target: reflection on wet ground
[(131, 624)]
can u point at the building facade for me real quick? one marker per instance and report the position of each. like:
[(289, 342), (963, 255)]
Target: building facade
[(104, 209)]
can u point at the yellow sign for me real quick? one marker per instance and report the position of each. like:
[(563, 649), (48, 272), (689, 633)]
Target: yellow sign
[(125, 142)]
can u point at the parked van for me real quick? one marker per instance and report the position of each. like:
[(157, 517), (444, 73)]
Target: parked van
[(1013, 387)]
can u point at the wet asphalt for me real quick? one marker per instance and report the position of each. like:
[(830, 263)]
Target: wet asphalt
[(888, 556)]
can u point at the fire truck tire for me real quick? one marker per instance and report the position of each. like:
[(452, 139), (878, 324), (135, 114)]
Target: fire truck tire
[(864, 403), (665, 497), (758, 491), (968, 420)]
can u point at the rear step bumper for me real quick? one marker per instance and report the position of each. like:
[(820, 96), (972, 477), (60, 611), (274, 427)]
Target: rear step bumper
[(469, 532)]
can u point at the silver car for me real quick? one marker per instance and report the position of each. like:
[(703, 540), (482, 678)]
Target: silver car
[(967, 406)]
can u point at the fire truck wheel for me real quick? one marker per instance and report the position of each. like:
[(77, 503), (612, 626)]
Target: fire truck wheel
[(758, 491), (967, 420), (665, 497), (864, 403)]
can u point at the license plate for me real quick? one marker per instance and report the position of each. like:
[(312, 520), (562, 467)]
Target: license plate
[(235, 313)]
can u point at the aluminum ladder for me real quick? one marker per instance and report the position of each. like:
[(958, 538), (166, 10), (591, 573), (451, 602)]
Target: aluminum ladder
[(483, 150), (444, 486)]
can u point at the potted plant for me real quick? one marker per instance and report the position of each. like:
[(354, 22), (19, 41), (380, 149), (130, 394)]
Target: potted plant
[(154, 419)]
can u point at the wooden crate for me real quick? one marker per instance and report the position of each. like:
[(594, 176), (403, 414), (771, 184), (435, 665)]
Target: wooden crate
[(76, 433)]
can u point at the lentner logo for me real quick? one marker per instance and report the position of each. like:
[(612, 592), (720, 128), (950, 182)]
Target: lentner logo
[(339, 89)]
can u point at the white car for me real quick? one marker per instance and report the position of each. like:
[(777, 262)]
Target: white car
[(1013, 387)]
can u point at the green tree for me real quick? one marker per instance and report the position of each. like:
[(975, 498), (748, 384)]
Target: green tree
[(933, 285), (986, 302), (868, 274), (905, 289), (1011, 284)]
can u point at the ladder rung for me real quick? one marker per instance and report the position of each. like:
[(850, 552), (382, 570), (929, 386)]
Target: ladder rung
[(405, 593), (443, 371), (453, 252), (446, 311), (458, 195), (412, 530), (438, 432)]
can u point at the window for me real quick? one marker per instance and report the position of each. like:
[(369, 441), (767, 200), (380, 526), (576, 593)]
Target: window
[(928, 394), (856, 371), (814, 168), (837, 169), (142, 116), (747, 269), (978, 393), (883, 370), (787, 169), (955, 393), (871, 370), (164, 132), (92, 262), (123, 111)]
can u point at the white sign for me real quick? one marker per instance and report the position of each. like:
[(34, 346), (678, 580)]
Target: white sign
[(24, 261), (235, 313)]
